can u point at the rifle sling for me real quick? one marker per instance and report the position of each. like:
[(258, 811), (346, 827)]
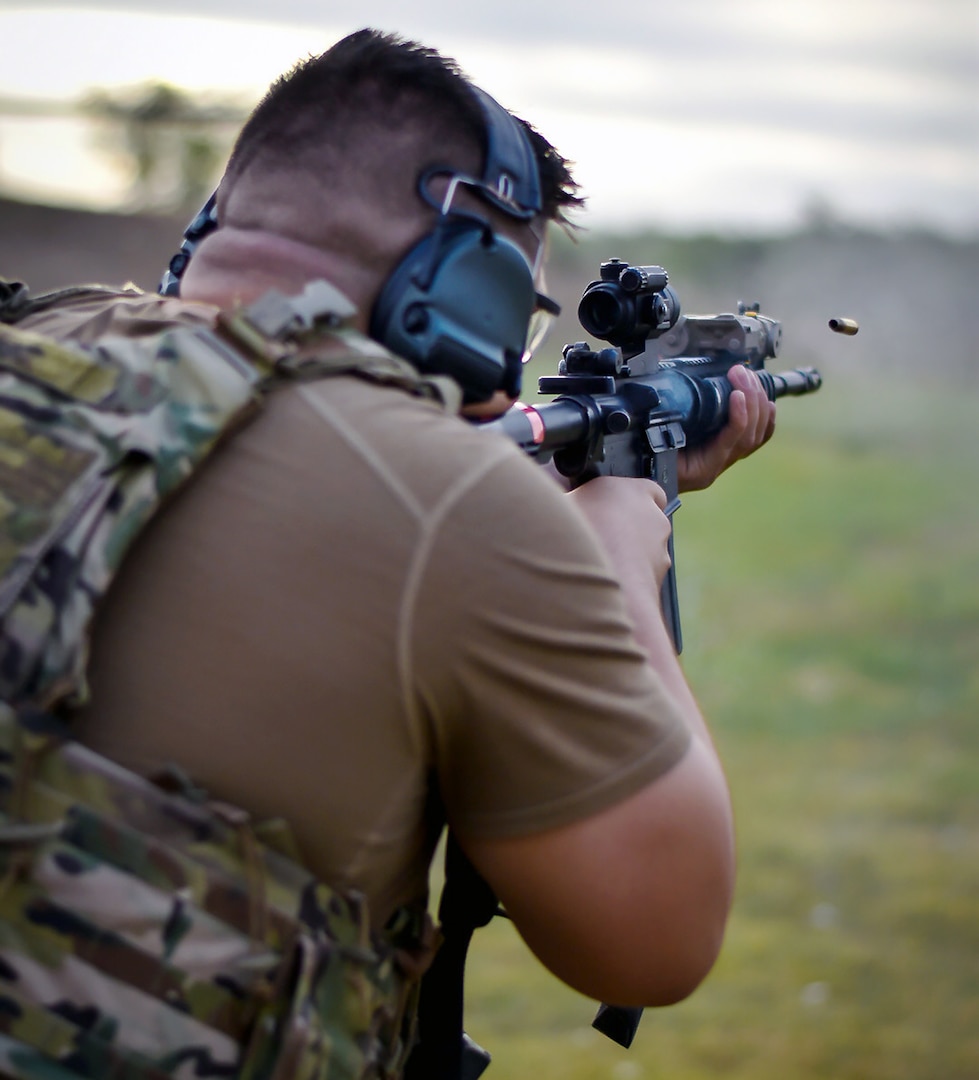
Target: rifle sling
[(467, 903)]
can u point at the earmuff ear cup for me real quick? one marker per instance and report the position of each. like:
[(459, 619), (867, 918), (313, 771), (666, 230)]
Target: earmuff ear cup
[(459, 304)]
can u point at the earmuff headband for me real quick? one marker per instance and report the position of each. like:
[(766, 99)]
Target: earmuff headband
[(510, 177)]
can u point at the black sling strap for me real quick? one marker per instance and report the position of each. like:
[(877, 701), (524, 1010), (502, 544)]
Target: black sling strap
[(444, 1052)]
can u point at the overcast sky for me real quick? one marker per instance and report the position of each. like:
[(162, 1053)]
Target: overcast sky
[(686, 114)]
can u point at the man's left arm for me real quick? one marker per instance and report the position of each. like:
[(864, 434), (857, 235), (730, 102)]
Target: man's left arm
[(751, 423)]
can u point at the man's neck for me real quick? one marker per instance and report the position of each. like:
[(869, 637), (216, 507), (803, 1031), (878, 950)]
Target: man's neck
[(236, 266)]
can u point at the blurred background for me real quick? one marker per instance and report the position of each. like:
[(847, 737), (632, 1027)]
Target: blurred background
[(823, 158)]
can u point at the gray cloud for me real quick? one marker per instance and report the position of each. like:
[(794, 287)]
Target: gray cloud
[(933, 44), (939, 36)]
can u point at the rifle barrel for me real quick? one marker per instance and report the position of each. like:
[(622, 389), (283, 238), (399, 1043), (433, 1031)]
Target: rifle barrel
[(541, 429)]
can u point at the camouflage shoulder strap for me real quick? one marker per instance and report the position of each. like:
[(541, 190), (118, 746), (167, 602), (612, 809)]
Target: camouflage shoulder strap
[(143, 934), (93, 440), (16, 302)]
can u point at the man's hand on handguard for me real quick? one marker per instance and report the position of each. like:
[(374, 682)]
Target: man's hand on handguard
[(751, 423)]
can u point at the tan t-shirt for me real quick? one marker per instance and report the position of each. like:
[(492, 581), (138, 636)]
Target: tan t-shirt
[(365, 616)]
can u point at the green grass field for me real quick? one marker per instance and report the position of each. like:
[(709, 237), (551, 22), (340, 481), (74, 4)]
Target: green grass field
[(829, 590)]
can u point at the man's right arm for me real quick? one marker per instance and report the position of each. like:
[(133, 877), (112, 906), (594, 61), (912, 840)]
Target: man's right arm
[(629, 905)]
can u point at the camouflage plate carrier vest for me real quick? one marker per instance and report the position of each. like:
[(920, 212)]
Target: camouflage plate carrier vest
[(144, 932)]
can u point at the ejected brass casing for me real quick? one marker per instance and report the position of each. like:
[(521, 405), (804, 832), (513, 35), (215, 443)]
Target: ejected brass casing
[(844, 326)]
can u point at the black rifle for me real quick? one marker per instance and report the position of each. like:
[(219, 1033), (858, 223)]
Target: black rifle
[(629, 409), (626, 410)]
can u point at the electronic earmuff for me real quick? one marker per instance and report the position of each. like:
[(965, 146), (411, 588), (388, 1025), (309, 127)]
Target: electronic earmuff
[(459, 304), (460, 301)]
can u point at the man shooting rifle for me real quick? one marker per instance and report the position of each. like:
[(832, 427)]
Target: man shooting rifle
[(361, 614)]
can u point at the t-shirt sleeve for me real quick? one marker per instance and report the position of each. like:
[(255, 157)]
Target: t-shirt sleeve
[(542, 709)]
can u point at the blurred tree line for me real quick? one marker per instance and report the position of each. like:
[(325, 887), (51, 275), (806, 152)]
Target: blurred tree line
[(171, 143)]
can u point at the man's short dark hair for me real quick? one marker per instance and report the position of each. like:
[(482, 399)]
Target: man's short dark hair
[(317, 115)]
